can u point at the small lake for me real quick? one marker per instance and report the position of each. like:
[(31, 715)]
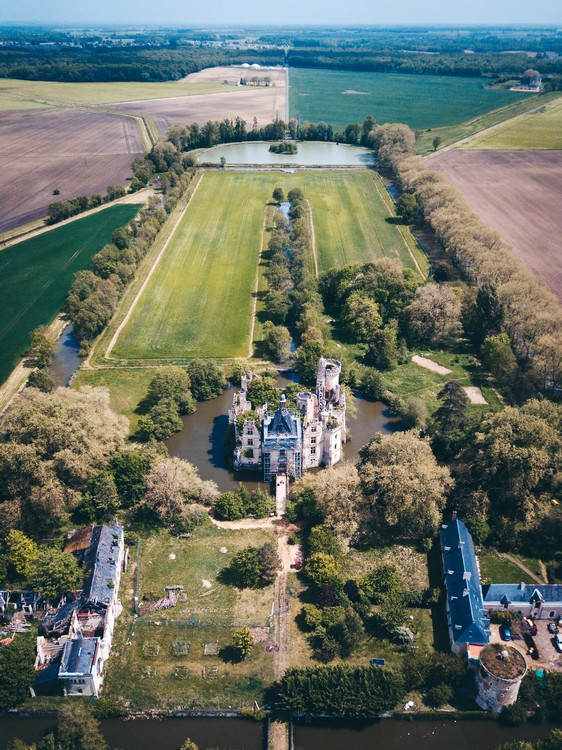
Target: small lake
[(310, 153), (202, 439)]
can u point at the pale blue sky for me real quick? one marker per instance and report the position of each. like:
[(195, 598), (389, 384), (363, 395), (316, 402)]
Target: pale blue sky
[(323, 12)]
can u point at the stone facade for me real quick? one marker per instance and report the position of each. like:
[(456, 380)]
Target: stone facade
[(499, 677), (292, 440)]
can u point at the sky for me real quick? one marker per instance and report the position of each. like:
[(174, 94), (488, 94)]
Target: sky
[(298, 12)]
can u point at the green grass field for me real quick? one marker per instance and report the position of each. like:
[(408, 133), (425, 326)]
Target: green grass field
[(540, 129), (55, 92), (350, 213), (142, 671), (37, 273), (198, 302), (419, 101)]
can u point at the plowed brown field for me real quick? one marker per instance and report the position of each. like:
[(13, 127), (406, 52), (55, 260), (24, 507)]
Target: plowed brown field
[(518, 194), (79, 152), (245, 101)]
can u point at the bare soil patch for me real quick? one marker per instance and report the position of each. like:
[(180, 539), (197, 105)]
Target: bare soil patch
[(429, 364), (232, 73), (78, 152), (247, 102), (474, 394), (518, 194)]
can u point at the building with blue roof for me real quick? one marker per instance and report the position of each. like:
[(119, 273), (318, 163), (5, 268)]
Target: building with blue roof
[(466, 615), (541, 602)]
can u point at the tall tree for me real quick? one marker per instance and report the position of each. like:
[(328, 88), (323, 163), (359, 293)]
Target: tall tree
[(55, 573)]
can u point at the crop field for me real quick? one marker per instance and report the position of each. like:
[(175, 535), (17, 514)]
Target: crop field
[(518, 194), (198, 302), (78, 152), (164, 665), (340, 97), (58, 93), (538, 129), (247, 102), (351, 212), (37, 273)]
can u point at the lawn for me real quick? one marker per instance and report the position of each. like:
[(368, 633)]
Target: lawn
[(55, 92), (453, 133), (198, 302), (539, 129), (127, 388), (495, 568), (352, 215), (340, 97), (412, 381), (144, 668), (37, 273)]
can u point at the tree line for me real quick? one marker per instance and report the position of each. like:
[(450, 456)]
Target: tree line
[(61, 210)]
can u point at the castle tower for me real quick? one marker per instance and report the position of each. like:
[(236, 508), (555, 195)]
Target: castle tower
[(499, 676)]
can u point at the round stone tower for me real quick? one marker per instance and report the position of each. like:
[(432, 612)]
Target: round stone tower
[(499, 676)]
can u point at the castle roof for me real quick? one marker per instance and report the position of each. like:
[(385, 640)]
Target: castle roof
[(469, 623)]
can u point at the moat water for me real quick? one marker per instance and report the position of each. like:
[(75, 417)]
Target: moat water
[(310, 153), (239, 734), (202, 440)]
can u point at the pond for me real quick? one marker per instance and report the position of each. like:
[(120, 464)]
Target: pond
[(66, 359), (310, 153), (202, 439)]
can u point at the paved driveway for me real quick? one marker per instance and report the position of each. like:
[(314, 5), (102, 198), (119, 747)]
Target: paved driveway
[(549, 657)]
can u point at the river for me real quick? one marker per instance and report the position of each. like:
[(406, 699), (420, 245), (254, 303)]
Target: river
[(241, 734)]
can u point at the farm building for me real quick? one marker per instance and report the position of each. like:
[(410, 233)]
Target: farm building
[(291, 441)]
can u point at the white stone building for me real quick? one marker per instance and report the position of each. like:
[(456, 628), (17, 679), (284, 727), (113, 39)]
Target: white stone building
[(291, 441)]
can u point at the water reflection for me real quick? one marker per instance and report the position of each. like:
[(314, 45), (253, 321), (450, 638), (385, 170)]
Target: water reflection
[(66, 359), (202, 438), (310, 153)]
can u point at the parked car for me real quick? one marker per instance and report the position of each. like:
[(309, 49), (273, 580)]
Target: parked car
[(531, 646), (505, 632), (553, 628), (558, 642)]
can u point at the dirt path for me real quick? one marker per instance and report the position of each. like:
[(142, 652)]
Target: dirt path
[(429, 364), (257, 286), (149, 276), (522, 567), (313, 237), (287, 554)]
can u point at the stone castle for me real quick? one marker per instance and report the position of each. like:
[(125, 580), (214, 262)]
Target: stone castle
[(296, 437)]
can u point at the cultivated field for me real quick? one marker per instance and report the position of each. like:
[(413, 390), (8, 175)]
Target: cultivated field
[(37, 273), (233, 73), (518, 194), (57, 93), (75, 151), (341, 97), (265, 104), (539, 129), (199, 300)]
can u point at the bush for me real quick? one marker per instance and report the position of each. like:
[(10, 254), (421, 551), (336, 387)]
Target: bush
[(207, 379), (440, 695)]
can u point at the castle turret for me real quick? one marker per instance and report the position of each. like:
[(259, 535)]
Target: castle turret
[(499, 676)]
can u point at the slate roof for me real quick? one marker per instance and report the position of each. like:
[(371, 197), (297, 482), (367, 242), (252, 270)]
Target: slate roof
[(521, 593), (79, 656), (106, 565), (469, 621), (283, 430)]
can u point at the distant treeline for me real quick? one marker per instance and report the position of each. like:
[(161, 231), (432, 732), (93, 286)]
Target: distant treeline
[(137, 64), (469, 65), (171, 63)]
